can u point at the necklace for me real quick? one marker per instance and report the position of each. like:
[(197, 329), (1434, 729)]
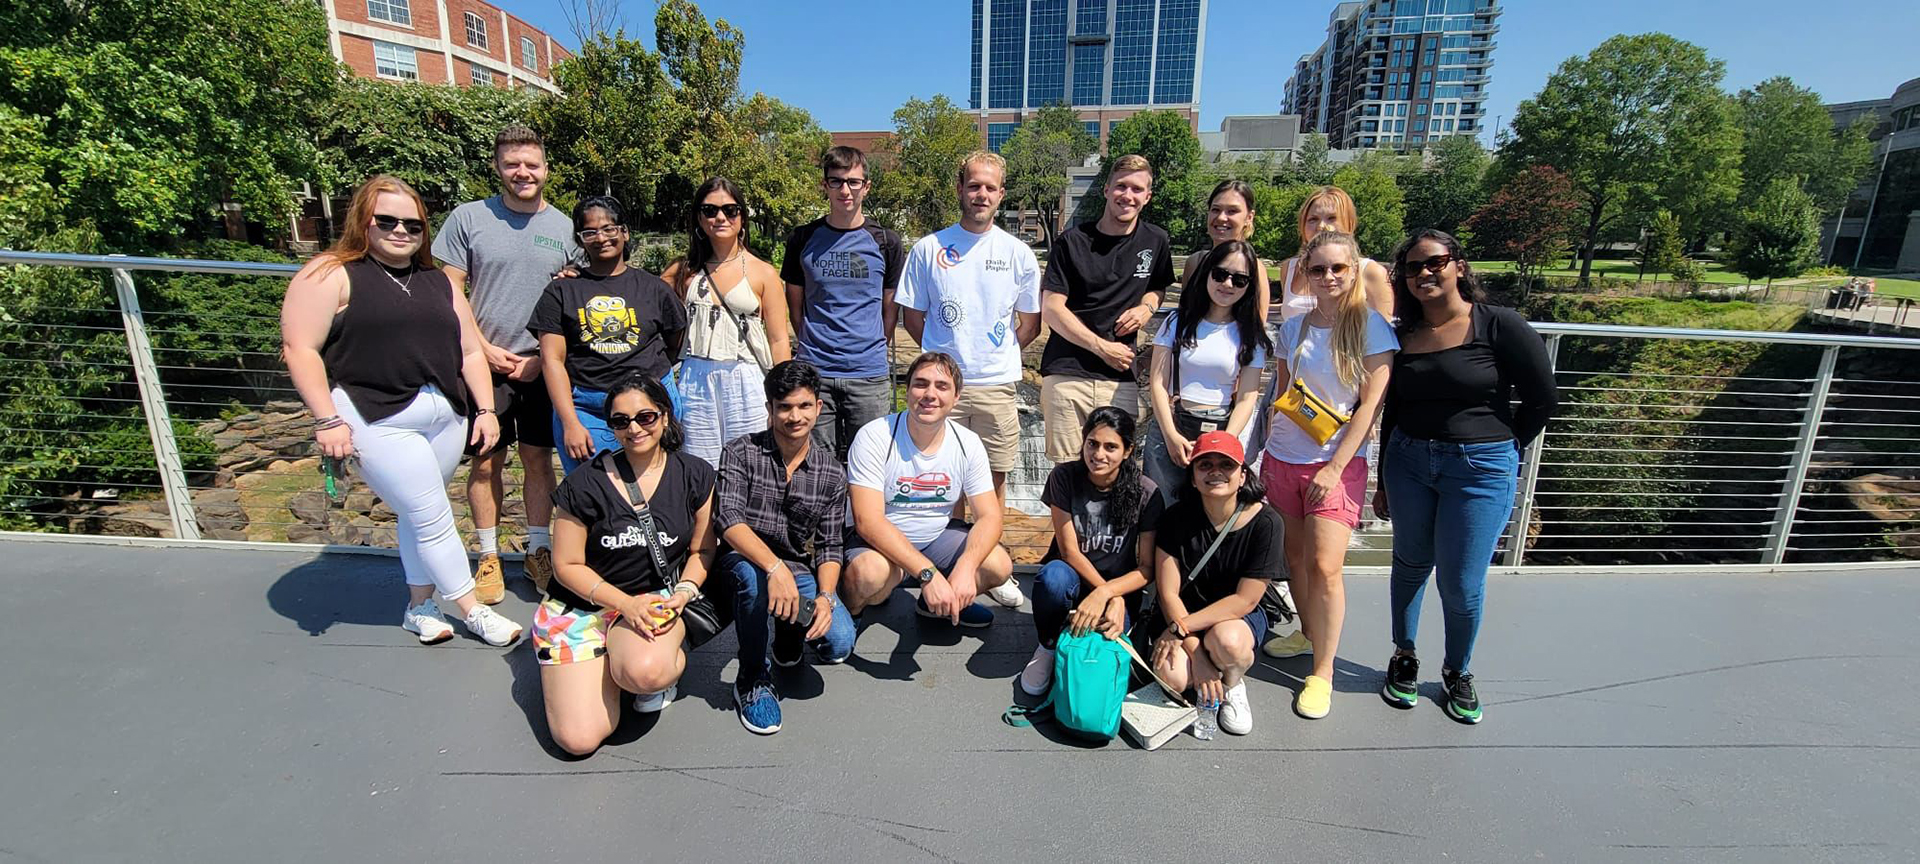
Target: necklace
[(404, 286)]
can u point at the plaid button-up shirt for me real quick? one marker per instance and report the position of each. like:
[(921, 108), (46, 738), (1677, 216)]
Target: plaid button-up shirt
[(803, 519)]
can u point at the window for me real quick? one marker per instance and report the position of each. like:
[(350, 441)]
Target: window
[(1426, 76), (1421, 109), (476, 30), (998, 133), (1446, 125), (1176, 57), (390, 11), (1089, 74), (394, 61), (1006, 53), (1047, 52), (529, 55), (1426, 91), (973, 92), (1132, 52), (1419, 125), (1092, 127), (480, 75)]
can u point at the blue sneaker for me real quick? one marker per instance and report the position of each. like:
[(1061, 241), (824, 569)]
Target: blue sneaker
[(975, 615), (759, 708)]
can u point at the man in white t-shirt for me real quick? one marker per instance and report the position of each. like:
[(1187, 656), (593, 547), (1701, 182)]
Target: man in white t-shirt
[(905, 473), (972, 290)]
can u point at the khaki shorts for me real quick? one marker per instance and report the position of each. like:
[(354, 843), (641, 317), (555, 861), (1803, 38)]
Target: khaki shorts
[(992, 411), (1065, 402)]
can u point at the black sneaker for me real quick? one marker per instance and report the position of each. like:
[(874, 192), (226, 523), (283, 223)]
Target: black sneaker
[(787, 646), (1402, 689), (1463, 703)]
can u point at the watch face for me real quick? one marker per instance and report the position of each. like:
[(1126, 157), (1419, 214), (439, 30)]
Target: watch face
[(926, 575)]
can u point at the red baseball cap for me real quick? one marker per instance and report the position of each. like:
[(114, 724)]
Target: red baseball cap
[(1218, 442)]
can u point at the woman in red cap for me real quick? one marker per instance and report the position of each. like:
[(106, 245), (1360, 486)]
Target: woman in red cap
[(1217, 549)]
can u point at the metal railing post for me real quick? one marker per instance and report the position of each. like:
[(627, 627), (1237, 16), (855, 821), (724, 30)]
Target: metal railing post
[(1529, 476), (1802, 455), (153, 403)]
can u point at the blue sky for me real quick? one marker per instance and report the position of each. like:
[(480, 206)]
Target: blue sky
[(852, 67)]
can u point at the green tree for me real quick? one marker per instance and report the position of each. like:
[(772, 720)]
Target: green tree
[(1371, 181), (1530, 221), (1790, 134), (1276, 230), (702, 62), (1167, 141), (1779, 235), (1450, 187), (608, 131), (1638, 122), (930, 138), (779, 169), (1038, 157), (437, 137), (1661, 249), (1311, 163)]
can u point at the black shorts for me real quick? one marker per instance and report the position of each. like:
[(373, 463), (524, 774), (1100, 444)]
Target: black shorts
[(525, 411)]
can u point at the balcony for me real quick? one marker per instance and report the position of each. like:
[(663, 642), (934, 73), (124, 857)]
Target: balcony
[(1488, 28)]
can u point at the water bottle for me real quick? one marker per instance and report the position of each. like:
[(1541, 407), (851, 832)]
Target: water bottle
[(1208, 722)]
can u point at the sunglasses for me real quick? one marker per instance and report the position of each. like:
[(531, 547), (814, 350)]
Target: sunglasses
[(854, 183), (1320, 271), (646, 419), (388, 223), (588, 235), (1237, 280), (708, 211), (1433, 265)]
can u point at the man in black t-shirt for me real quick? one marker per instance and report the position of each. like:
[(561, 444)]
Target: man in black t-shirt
[(1103, 282)]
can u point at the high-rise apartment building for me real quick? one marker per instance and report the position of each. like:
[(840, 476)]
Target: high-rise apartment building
[(1397, 73), (464, 42), (1109, 59)]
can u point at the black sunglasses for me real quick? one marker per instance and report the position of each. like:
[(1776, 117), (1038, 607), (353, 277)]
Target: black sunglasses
[(646, 419), (1433, 265), (388, 223), (708, 211), (1237, 280)]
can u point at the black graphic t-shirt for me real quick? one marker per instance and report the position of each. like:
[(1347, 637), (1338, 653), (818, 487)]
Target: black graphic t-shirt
[(1251, 551), (615, 547), (1112, 552), (614, 325), (1102, 276)]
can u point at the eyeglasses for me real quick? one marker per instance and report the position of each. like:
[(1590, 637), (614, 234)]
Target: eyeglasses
[(1319, 271), (1433, 265), (388, 223), (1237, 280), (854, 183), (588, 235), (646, 419), (708, 211)]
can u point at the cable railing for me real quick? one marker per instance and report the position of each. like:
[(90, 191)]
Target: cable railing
[(160, 408)]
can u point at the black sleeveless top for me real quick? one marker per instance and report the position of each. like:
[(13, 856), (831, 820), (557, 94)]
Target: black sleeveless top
[(388, 343)]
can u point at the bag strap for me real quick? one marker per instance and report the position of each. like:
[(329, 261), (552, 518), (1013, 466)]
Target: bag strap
[(643, 512), (1215, 545), (1127, 643)]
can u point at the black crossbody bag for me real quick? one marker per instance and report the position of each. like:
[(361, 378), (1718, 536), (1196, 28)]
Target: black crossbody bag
[(704, 619)]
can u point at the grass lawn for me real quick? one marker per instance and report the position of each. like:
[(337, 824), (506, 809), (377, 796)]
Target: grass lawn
[(1716, 273)]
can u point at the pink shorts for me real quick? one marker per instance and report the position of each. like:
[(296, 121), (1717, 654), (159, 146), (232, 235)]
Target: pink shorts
[(1287, 490)]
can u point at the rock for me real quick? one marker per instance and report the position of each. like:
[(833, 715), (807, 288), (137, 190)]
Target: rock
[(283, 418), (137, 519), (243, 458), (205, 497), (360, 501), (287, 406), (289, 445), (249, 418), (223, 533), (221, 516), (212, 427), (223, 479), (229, 439), (305, 533), (310, 508)]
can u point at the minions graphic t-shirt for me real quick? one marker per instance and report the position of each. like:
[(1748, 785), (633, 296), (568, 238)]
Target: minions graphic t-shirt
[(615, 325)]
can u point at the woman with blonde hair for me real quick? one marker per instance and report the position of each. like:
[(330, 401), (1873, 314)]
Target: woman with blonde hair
[(1332, 376), (384, 351)]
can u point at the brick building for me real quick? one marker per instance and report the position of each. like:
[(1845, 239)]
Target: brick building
[(463, 42)]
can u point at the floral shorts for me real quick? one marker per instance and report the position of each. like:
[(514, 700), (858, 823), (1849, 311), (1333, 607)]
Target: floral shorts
[(563, 635)]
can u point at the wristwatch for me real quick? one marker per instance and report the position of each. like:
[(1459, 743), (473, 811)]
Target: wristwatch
[(828, 598), (926, 575)]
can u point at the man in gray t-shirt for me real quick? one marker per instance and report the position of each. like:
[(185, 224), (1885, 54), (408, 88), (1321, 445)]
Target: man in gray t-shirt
[(503, 251)]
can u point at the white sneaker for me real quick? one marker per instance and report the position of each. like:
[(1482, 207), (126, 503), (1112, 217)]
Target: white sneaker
[(1007, 594), (492, 627), (426, 620), (1236, 716), (654, 703), (1038, 676)]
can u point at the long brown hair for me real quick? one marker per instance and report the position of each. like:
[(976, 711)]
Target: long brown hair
[(352, 245)]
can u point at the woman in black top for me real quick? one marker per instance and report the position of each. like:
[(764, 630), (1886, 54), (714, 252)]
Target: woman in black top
[(611, 621), (1452, 439), (384, 351), (598, 326), (1209, 611)]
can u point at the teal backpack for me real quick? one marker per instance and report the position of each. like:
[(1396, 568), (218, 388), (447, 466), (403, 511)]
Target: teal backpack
[(1089, 686)]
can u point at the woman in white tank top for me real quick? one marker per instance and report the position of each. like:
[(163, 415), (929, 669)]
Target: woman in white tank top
[(736, 323), (1330, 208)]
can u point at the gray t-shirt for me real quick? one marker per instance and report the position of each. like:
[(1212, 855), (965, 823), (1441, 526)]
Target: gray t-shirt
[(509, 258)]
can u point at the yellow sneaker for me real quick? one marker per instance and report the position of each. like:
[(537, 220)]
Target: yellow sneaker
[(1291, 645), (539, 567), (489, 586), (1315, 699)]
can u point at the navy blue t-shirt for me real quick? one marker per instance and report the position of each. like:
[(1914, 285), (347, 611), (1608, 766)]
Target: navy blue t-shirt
[(844, 275)]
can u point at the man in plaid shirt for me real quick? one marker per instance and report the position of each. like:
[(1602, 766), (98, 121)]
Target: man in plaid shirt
[(781, 509)]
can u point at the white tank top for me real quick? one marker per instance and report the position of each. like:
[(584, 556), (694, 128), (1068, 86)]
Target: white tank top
[(724, 326)]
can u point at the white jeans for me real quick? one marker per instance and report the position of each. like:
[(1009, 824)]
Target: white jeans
[(720, 402), (407, 460)]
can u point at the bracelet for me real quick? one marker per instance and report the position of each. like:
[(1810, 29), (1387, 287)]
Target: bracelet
[(596, 587), (325, 423), (693, 589), (479, 411)]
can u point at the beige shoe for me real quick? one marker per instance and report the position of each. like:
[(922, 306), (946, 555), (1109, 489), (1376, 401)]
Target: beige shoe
[(1294, 644), (489, 585), (539, 567)]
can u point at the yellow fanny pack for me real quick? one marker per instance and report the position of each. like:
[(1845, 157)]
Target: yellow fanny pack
[(1315, 416)]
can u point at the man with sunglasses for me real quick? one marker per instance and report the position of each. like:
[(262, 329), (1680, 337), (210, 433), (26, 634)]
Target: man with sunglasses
[(1104, 280), (503, 250), (841, 271)]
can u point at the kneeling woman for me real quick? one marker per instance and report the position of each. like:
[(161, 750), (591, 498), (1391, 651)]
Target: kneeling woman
[(1216, 550), (612, 619), (1104, 513)]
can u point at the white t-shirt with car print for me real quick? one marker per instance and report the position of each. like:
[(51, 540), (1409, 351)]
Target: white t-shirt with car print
[(919, 488)]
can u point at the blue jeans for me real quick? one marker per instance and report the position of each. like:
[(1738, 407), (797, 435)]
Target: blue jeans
[(590, 406), (754, 623), (1056, 591), (1449, 503)]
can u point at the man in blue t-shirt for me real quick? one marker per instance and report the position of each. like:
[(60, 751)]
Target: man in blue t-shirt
[(841, 271)]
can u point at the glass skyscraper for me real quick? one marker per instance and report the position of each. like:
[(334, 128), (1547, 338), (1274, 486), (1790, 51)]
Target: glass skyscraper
[(1106, 58), (1397, 74)]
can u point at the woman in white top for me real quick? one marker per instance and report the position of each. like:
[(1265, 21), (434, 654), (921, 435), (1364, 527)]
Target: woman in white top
[(1207, 358), (1329, 208), (1230, 215), (1340, 354), (736, 323)]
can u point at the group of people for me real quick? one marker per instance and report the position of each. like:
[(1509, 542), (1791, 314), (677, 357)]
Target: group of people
[(731, 454)]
